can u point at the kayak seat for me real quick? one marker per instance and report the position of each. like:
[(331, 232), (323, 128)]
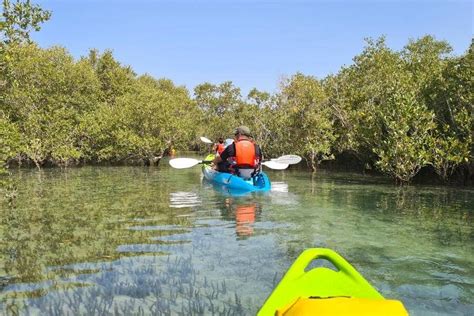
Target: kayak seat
[(343, 306), (246, 173)]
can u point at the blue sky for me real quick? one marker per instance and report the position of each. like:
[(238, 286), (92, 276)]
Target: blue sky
[(252, 43)]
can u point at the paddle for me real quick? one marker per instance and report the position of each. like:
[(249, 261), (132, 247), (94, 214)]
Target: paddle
[(288, 159), (285, 159), (275, 165), (206, 140), (183, 163)]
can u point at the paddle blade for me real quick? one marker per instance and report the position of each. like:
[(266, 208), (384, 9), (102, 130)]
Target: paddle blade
[(288, 159), (275, 165), (228, 142), (206, 140), (182, 163)]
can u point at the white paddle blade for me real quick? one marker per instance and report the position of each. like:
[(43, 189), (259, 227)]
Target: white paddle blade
[(228, 142), (206, 140), (288, 159), (275, 165), (182, 163)]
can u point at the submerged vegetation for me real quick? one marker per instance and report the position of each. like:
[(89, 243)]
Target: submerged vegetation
[(394, 111)]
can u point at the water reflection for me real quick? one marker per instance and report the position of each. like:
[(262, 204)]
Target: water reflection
[(244, 219), (244, 214), (153, 241), (184, 199), (279, 186)]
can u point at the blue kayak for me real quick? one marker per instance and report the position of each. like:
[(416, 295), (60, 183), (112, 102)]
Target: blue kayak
[(260, 182)]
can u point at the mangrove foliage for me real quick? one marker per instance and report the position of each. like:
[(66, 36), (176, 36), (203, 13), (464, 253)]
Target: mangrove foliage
[(396, 112)]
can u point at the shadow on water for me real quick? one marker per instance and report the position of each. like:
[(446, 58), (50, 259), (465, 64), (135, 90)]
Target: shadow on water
[(123, 240)]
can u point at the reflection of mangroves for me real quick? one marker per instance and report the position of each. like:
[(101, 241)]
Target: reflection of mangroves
[(411, 204), (81, 215)]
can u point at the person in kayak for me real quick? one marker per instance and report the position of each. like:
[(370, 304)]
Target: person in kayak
[(219, 146), (244, 153)]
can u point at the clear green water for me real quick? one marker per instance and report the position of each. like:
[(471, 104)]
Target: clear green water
[(131, 240)]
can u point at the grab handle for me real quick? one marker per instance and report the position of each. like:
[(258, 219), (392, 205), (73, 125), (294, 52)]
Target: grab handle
[(299, 266)]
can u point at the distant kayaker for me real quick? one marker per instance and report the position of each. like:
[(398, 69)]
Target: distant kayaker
[(219, 146), (244, 153)]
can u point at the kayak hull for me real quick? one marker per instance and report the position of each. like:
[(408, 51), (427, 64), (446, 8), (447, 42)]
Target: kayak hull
[(259, 183)]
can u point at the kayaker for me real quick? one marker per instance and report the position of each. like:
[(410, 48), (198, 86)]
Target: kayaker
[(244, 153), (219, 146)]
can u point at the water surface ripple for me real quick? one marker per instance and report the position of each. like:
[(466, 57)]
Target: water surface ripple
[(131, 240)]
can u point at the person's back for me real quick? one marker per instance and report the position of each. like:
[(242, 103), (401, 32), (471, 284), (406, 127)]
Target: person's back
[(245, 154), (246, 160), (219, 146)]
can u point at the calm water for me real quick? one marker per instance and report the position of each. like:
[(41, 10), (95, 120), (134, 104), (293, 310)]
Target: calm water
[(131, 240)]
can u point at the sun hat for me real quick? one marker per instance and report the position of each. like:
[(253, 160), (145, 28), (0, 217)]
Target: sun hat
[(242, 130)]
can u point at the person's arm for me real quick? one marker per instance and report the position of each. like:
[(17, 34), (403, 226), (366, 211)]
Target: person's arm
[(259, 153), (228, 152), (217, 159), (223, 156)]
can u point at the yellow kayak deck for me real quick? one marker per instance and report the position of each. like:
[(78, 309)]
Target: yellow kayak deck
[(324, 291)]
